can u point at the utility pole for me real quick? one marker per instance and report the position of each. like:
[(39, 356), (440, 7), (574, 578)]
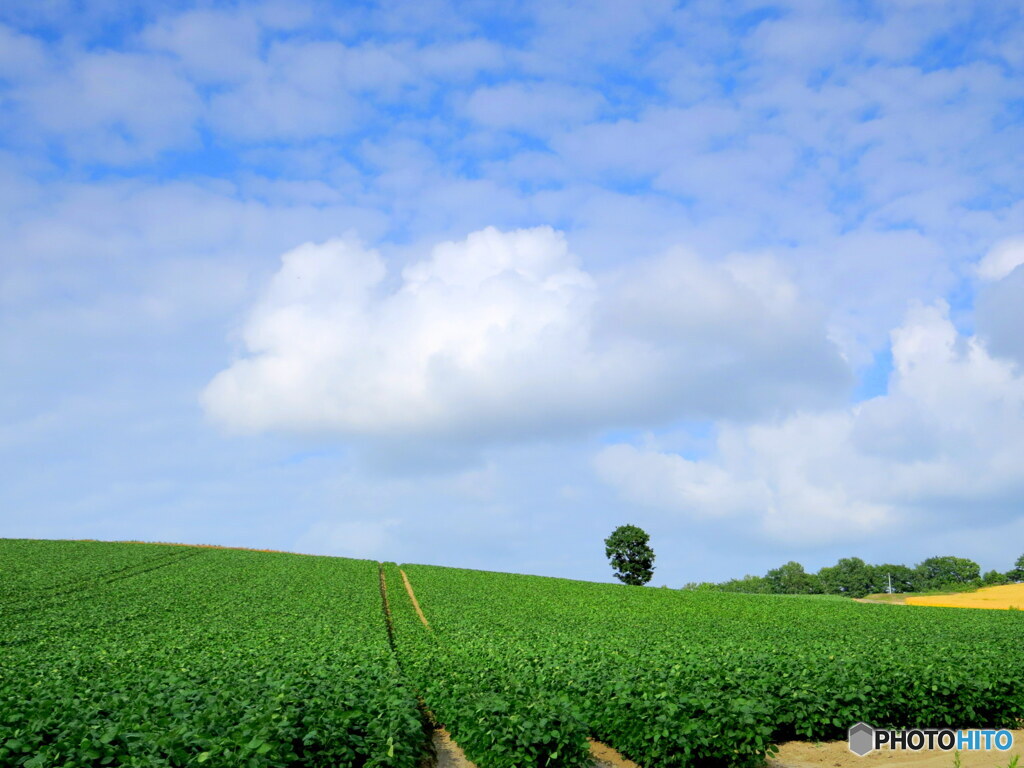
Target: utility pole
[(890, 583)]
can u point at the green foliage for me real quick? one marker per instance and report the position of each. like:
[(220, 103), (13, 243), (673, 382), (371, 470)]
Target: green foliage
[(1017, 572), (143, 655), (938, 572), (994, 579), (691, 677), (151, 657), (498, 704), (904, 579), (850, 577), (631, 557), (791, 579), (754, 585)]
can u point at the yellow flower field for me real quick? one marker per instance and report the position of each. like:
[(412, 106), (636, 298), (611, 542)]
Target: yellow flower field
[(1003, 598)]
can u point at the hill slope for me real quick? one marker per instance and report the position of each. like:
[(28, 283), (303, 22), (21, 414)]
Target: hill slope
[(150, 655), (134, 654)]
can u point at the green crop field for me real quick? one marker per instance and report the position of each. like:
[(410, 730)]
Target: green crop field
[(673, 678), (142, 655), (148, 655)]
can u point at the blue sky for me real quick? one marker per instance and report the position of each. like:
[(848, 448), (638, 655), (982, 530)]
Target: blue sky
[(472, 284)]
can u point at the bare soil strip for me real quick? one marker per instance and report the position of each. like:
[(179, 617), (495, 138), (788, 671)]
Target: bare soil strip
[(448, 754), (888, 600), (836, 754), (607, 757), (415, 602)]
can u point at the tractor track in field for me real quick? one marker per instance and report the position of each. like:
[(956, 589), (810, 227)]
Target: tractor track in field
[(415, 602), (450, 755), (54, 594), (608, 757), (446, 753)]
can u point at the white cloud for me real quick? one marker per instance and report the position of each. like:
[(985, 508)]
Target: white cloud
[(585, 37), (1004, 257), (809, 37), (114, 107), (350, 538), (999, 304), (504, 336), (942, 447), (533, 107), (462, 60), (658, 139), (305, 89), (863, 309), (299, 92), (72, 261), (20, 55), (212, 45)]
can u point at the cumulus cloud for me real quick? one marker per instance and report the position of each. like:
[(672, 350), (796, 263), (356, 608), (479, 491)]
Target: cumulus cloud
[(505, 336), (1004, 257), (940, 447), (1000, 299)]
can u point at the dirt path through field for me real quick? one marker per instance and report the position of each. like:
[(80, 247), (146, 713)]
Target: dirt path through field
[(878, 602), (415, 602), (836, 754), (447, 753), (606, 757)]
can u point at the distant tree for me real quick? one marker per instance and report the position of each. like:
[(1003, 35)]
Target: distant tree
[(851, 576), (701, 586), (1017, 572), (814, 586), (631, 557), (938, 572), (789, 579), (904, 579), (994, 579), (753, 585)]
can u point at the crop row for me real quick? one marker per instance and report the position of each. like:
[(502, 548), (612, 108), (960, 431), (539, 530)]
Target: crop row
[(35, 570), (523, 669), (500, 715), (220, 658)]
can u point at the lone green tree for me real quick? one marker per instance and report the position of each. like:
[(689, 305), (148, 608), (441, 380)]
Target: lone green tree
[(630, 555)]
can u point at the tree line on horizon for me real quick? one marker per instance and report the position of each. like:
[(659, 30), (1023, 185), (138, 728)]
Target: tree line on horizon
[(852, 577)]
